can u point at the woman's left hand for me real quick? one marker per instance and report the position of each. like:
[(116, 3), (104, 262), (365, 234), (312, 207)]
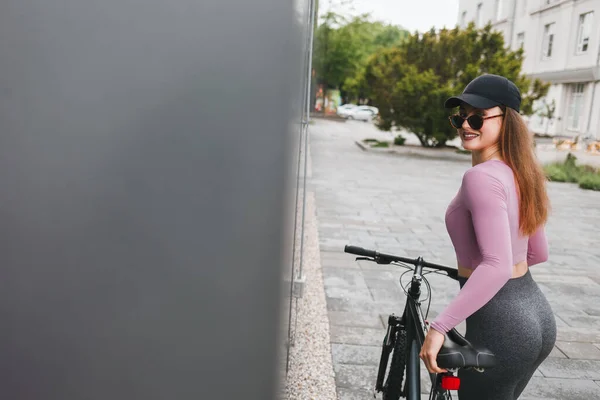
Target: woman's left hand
[(431, 347)]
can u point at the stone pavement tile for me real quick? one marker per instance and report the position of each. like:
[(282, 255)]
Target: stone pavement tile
[(582, 321), (348, 292), (570, 334), (386, 291), (334, 262), (559, 322), (593, 311), (560, 389), (354, 394), (391, 295), (595, 278), (358, 336), (355, 376), (342, 264), (336, 254), (566, 310), (573, 290), (359, 306), (380, 275), (577, 350), (347, 219), (364, 320), (355, 354), (556, 353), (333, 244), (566, 279), (570, 369), (385, 283), (344, 277)]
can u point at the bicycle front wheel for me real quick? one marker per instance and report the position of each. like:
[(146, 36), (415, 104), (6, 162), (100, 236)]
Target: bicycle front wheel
[(392, 390)]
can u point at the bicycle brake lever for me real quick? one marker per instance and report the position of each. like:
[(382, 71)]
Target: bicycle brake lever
[(377, 260)]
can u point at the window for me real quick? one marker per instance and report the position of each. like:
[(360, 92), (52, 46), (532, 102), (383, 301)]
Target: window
[(548, 40), (520, 40), (584, 32), (463, 19), (576, 106), (478, 18), (499, 9)]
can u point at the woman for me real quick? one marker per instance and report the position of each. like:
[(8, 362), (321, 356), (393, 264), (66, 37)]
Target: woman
[(496, 224)]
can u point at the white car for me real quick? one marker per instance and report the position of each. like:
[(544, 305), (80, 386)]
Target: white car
[(345, 110), (363, 113)]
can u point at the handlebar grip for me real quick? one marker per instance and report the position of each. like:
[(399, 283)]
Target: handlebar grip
[(359, 251)]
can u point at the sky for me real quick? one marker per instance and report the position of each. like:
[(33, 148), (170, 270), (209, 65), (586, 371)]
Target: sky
[(412, 15)]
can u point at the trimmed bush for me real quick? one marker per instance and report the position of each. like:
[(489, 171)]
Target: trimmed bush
[(568, 171), (380, 144), (399, 140), (590, 181), (556, 173)]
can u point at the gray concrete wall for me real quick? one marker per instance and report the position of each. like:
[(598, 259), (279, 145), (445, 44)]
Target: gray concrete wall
[(144, 150)]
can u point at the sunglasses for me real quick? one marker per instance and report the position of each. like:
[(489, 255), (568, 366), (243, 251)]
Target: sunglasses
[(475, 121)]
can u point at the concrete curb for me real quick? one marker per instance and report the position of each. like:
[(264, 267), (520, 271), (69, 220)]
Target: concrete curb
[(437, 154), (361, 146), (311, 374)]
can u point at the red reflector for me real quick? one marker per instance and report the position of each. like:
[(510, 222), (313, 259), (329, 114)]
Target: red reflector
[(450, 382)]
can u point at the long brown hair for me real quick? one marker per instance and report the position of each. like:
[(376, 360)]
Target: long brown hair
[(516, 148)]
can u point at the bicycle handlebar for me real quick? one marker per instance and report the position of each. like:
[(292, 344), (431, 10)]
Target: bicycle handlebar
[(359, 251), (387, 258)]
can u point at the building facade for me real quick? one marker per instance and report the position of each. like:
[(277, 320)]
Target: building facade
[(561, 41)]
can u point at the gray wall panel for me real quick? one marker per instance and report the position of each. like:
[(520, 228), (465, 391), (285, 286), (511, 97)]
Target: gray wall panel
[(143, 158)]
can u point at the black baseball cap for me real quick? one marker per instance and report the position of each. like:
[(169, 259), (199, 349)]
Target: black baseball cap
[(487, 91)]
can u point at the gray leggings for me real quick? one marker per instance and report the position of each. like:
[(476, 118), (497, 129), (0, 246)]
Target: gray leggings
[(518, 326)]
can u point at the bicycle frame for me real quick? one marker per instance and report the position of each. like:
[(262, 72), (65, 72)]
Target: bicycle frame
[(413, 322), (415, 331)]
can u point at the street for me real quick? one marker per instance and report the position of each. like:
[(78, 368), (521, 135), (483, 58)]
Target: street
[(395, 203)]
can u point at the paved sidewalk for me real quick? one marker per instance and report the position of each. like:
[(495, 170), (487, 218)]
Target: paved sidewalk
[(396, 203)]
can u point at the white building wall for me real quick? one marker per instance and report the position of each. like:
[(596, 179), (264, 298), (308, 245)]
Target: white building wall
[(565, 67), (553, 126), (592, 119)]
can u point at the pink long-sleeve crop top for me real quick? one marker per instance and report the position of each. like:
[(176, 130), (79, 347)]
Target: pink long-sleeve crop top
[(483, 224)]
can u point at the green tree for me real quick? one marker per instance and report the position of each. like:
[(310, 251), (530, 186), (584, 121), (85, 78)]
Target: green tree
[(343, 45), (409, 83)]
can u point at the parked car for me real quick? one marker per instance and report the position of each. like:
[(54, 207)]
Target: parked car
[(363, 113), (345, 110)]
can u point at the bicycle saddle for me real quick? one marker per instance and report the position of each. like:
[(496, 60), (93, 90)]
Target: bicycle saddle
[(458, 352)]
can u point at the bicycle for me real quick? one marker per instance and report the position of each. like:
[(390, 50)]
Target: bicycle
[(405, 335)]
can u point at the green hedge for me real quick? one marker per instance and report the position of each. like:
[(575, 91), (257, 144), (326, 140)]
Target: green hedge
[(590, 181), (568, 171), (399, 140)]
